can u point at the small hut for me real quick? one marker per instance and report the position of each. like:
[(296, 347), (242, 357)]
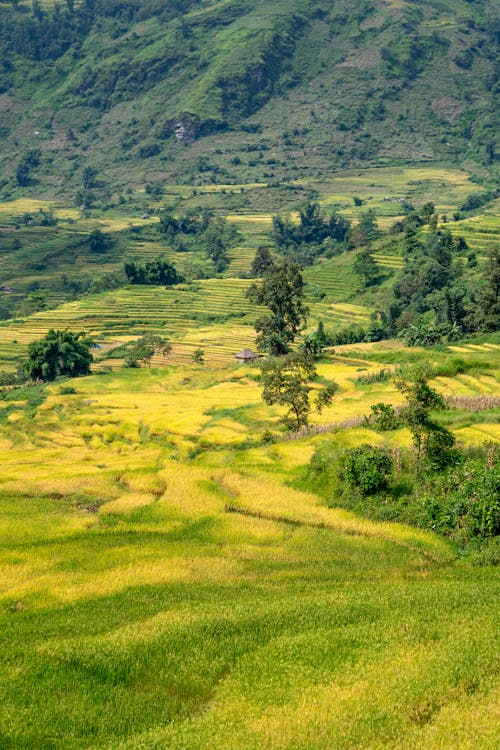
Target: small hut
[(246, 355)]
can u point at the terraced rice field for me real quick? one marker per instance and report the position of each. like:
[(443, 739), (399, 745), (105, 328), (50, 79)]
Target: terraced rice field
[(163, 587), (212, 314), (480, 232)]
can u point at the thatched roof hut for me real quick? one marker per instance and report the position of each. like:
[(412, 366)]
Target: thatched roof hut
[(246, 355)]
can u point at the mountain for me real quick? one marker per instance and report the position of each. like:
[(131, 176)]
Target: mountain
[(239, 90)]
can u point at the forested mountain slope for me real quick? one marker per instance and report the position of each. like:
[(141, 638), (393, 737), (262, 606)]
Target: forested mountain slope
[(238, 90)]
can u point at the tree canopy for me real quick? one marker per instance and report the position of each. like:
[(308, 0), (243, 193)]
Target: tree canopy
[(282, 291), (58, 354), (156, 272)]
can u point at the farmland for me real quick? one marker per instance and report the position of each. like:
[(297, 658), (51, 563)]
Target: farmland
[(170, 576), (209, 313), (175, 592)]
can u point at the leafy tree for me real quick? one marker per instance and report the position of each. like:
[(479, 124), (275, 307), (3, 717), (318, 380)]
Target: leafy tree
[(34, 302), (313, 229), (59, 353), (287, 382), (156, 272), (424, 333), (99, 241), (217, 252), (366, 267), (383, 417), (366, 230), (262, 262), (427, 434), (29, 161), (282, 291), (89, 175), (145, 348), (202, 232), (486, 316), (198, 356)]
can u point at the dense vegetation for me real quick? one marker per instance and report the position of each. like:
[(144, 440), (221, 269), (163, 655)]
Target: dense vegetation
[(203, 553), (154, 89), (58, 354)]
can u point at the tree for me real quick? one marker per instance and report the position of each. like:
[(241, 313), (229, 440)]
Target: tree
[(157, 272), (366, 231), (145, 348), (30, 160), (59, 353), (99, 241), (282, 291), (367, 469), (487, 313), (262, 262), (428, 435), (89, 178), (365, 266), (287, 382)]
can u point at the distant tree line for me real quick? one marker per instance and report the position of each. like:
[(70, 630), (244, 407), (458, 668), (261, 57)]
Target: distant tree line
[(316, 235)]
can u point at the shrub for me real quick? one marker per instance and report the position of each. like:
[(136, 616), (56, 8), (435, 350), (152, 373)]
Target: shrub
[(367, 469), (465, 502), (383, 417)]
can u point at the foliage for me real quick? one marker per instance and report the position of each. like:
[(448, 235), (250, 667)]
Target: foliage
[(383, 417), (201, 231), (262, 262), (282, 291), (485, 316), (312, 236), (428, 435), (365, 231), (287, 382), (99, 242), (198, 356), (145, 348), (433, 300), (365, 266), (464, 502), (29, 161), (367, 469), (58, 354), (156, 272)]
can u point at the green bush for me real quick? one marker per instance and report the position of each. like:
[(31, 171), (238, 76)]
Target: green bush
[(464, 503), (383, 417), (367, 469)]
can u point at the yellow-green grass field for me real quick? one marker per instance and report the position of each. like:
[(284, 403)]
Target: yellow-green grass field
[(162, 587), (162, 584)]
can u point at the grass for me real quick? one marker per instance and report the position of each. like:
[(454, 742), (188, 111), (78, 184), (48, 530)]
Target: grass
[(174, 592), (161, 583)]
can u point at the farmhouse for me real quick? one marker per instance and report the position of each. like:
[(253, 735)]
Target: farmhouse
[(246, 355)]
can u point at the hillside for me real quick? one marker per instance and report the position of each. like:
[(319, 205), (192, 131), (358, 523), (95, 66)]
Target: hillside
[(163, 585), (236, 91)]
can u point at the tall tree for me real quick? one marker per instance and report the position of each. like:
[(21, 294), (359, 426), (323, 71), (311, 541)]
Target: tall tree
[(282, 291), (486, 316), (287, 382), (262, 262)]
